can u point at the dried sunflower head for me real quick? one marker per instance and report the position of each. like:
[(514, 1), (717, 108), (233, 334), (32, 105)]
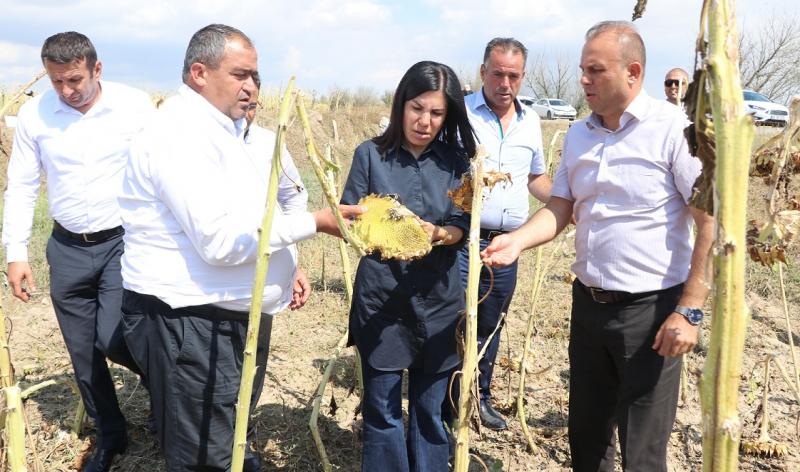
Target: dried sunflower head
[(462, 196), (391, 228)]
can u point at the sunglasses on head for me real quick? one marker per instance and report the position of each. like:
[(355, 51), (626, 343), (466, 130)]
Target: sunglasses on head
[(672, 82)]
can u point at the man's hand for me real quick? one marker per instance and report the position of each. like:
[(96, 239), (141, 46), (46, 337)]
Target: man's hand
[(301, 290), (502, 251), (20, 277), (326, 220), (676, 336)]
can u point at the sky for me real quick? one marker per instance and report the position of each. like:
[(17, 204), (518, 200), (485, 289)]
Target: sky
[(346, 43)]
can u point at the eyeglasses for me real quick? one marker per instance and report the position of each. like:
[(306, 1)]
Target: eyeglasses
[(673, 83)]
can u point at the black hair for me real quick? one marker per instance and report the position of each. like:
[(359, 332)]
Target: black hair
[(422, 77), (69, 47), (504, 45)]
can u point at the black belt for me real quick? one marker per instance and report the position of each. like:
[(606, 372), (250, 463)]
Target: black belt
[(612, 296), (490, 234), (91, 238), (214, 312)]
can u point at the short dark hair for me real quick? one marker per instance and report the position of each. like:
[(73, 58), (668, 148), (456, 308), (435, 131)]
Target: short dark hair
[(422, 77), (69, 47), (505, 44), (207, 46), (628, 37)]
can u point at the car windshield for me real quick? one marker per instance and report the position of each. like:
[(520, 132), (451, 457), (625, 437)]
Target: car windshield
[(755, 97), (558, 103)]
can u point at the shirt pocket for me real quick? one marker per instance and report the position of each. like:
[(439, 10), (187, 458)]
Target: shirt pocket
[(641, 184)]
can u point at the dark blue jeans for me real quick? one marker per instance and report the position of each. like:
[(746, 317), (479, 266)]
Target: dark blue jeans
[(386, 447), (498, 301)]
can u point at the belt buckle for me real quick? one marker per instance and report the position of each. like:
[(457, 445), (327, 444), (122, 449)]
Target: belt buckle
[(86, 238), (594, 293)]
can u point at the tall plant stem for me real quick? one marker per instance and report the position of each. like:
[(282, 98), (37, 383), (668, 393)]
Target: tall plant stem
[(262, 267), (470, 362), (734, 135)]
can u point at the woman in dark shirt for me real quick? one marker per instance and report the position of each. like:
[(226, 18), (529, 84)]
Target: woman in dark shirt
[(404, 314)]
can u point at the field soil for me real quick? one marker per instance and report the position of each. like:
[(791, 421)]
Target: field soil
[(302, 342)]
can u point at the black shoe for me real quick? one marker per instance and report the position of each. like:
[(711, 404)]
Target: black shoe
[(252, 462), (490, 418), (102, 458)]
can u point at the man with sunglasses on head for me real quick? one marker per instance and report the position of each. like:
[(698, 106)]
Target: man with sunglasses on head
[(675, 84), (78, 134)]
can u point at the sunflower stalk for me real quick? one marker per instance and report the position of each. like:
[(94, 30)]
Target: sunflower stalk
[(540, 270), (262, 267), (15, 430), (11, 101), (470, 361), (789, 333), (329, 177), (319, 171), (734, 135)]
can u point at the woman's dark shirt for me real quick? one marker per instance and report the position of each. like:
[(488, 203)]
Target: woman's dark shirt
[(404, 314)]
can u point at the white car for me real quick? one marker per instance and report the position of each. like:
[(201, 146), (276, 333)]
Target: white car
[(550, 108), (764, 111)]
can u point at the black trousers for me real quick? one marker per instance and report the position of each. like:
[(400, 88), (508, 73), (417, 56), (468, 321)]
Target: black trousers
[(618, 380), (193, 357), (86, 289)]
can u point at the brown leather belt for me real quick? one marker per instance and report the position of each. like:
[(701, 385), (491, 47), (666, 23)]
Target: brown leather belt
[(91, 238)]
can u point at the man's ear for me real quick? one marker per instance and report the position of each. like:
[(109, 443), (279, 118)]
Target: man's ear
[(98, 69), (198, 74), (635, 71), (483, 72)]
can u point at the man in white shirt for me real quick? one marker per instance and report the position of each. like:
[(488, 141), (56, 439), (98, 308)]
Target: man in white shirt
[(512, 136), (627, 174), (78, 134), (192, 206)]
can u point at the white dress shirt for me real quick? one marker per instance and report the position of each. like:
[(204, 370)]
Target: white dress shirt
[(518, 152), (292, 195), (83, 156), (192, 206), (630, 189)]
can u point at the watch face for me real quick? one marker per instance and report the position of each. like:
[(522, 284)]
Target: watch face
[(695, 316)]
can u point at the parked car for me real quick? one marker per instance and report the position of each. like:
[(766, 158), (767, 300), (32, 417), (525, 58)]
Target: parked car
[(764, 111), (550, 108)]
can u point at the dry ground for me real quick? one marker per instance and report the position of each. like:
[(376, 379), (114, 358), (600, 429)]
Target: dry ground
[(302, 341)]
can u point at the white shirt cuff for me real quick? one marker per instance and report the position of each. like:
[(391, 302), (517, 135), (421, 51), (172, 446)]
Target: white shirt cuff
[(16, 253)]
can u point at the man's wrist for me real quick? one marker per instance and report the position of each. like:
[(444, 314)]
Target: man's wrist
[(693, 315)]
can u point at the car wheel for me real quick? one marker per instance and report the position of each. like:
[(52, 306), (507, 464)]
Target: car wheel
[(549, 115)]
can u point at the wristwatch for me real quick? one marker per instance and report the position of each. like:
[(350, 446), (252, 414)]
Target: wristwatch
[(693, 315)]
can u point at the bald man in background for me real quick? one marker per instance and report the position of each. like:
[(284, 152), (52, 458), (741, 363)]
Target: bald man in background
[(675, 84)]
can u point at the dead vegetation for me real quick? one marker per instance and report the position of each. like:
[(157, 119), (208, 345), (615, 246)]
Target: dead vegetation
[(302, 342)]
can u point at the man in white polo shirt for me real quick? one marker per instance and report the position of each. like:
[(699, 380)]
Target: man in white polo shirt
[(192, 207), (627, 174), (78, 134)]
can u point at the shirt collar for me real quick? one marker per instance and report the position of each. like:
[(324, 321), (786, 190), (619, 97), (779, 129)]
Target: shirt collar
[(235, 128), (480, 102), (437, 147), (637, 109), (60, 105)]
